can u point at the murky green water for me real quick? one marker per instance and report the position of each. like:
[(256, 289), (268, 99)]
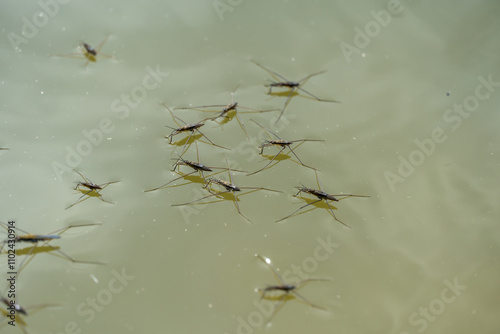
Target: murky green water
[(416, 131)]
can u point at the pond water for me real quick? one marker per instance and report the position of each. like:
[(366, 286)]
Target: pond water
[(416, 130)]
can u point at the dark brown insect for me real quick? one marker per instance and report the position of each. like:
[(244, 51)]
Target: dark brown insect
[(282, 292), (89, 53), (191, 128), (321, 196), (282, 144), (293, 86), (93, 190)]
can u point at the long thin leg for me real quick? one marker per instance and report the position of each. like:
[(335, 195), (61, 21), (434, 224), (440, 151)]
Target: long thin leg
[(30, 256), (274, 74), (293, 213), (104, 200), (240, 122), (268, 162), (86, 192), (301, 284), (238, 118), (79, 201), (197, 153), (333, 214), (104, 185), (266, 130), (238, 208), (184, 148), (173, 116), (305, 300), (291, 150), (259, 188), (277, 307), (267, 261), (304, 79), (349, 195), (64, 229), (235, 197), (228, 170), (288, 99), (202, 198), (299, 161), (318, 182), (164, 185), (211, 141), (99, 47), (315, 97), (83, 177)]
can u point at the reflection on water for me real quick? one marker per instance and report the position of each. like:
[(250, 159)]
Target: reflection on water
[(415, 130)]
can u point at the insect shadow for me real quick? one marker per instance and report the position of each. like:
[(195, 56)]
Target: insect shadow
[(282, 144), (90, 189), (88, 53), (35, 249), (283, 292), (227, 112), (229, 194), (320, 197), (13, 313), (197, 168), (293, 86), (191, 128)]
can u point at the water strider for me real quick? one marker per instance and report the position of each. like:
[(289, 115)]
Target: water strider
[(321, 196), (87, 52), (283, 144), (16, 319), (93, 190), (282, 292), (192, 128), (35, 239), (282, 82)]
